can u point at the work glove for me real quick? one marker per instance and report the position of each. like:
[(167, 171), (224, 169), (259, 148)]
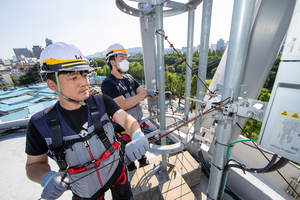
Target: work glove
[(53, 185), (152, 93), (135, 149)]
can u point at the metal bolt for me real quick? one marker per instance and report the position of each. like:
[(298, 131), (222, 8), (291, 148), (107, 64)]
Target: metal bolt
[(250, 114)]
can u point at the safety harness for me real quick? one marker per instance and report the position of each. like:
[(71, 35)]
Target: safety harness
[(59, 144), (122, 88)]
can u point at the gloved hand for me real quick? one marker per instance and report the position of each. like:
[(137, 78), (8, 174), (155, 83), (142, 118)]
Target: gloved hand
[(152, 93), (53, 185), (135, 149)]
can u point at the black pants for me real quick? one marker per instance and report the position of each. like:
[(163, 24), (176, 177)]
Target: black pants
[(118, 184)]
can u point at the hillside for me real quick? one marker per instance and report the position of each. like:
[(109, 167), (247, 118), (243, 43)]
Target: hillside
[(131, 51)]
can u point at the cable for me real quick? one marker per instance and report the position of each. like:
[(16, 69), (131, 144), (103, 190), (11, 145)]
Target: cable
[(205, 167), (279, 164)]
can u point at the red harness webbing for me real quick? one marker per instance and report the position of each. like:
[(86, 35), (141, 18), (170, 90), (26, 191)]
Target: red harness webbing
[(105, 155)]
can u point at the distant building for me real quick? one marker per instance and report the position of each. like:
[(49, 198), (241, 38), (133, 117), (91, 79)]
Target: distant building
[(48, 42), (5, 68), (37, 50), (16, 73), (183, 50), (4, 62), (24, 69), (220, 44), (5, 78), (22, 53), (169, 50), (99, 79), (213, 47)]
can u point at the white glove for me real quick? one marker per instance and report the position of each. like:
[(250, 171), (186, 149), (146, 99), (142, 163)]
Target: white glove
[(152, 93), (135, 149), (53, 185)]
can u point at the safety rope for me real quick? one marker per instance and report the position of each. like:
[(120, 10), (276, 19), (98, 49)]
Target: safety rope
[(195, 118), (162, 33)]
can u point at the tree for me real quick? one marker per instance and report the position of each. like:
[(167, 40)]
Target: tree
[(271, 78), (104, 71), (101, 62), (170, 68), (181, 68), (252, 127), (213, 53), (32, 76), (136, 71), (14, 80)]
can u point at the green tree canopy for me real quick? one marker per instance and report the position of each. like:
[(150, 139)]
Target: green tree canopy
[(32, 76), (136, 70)]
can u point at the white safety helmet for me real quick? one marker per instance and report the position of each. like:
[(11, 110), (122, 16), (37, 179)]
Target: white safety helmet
[(63, 57), (115, 49)]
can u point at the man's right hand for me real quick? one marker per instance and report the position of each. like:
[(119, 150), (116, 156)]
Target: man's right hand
[(53, 185)]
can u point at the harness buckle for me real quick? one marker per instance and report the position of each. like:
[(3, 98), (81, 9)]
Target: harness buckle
[(90, 162)]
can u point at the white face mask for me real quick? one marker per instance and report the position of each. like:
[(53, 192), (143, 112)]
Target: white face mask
[(124, 65)]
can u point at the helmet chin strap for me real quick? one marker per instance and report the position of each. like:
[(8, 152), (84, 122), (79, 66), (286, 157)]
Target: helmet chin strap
[(117, 66), (64, 96)]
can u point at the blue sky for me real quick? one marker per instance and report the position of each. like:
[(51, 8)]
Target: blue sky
[(92, 25)]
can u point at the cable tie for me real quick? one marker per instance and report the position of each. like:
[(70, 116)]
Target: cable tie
[(217, 167), (209, 196), (226, 145)]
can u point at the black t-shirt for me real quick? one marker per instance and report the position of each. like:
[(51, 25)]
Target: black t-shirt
[(109, 86), (35, 143)]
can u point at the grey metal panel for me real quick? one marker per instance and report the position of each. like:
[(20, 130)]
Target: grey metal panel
[(268, 31), (148, 42), (270, 26)]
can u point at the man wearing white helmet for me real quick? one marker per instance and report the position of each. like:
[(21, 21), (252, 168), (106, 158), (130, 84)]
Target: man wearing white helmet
[(125, 90), (76, 132)]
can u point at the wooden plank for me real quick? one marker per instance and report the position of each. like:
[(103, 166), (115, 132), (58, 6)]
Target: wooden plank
[(135, 184), (176, 192), (191, 160), (153, 191), (152, 181), (171, 184), (143, 182), (189, 196), (178, 164), (155, 159), (185, 162)]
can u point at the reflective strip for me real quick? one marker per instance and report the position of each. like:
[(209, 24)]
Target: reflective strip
[(53, 61), (74, 63)]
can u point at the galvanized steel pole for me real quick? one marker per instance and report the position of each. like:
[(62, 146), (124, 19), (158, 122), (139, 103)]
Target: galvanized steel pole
[(237, 51), (203, 54), (189, 60), (161, 76)]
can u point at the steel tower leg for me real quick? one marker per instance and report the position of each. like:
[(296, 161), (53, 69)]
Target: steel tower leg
[(189, 60), (238, 45)]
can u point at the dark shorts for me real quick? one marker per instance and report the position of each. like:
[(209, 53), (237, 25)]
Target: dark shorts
[(118, 184)]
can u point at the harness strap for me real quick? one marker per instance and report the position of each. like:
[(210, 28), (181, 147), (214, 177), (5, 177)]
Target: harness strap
[(120, 86), (57, 138), (97, 162), (59, 144), (98, 125)]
